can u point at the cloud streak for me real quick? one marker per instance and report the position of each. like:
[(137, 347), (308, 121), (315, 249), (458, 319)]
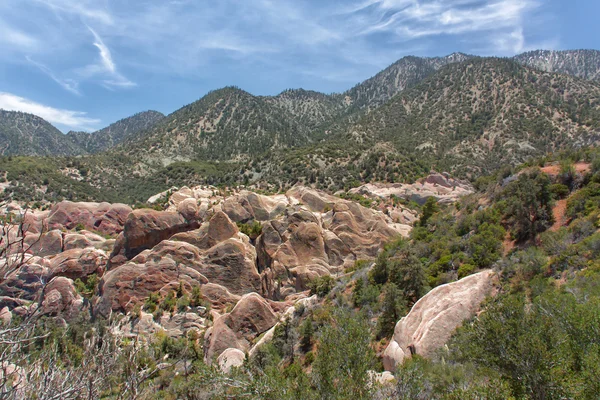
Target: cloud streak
[(67, 84), (69, 118)]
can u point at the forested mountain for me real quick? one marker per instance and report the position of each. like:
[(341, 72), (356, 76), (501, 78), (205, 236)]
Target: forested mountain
[(459, 113), (403, 74), (580, 63), (484, 113), (115, 133), (27, 134)]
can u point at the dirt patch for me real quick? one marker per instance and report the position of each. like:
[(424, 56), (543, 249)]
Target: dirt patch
[(554, 169), (558, 212), (508, 244)]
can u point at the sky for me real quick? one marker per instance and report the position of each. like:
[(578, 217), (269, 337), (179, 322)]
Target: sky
[(83, 64)]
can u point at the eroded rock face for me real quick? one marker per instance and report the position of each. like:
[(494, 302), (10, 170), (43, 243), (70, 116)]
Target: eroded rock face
[(247, 206), (146, 228), (102, 217), (441, 186), (61, 298), (251, 316), (231, 358), (160, 270), (26, 281), (433, 319), (78, 263), (215, 253)]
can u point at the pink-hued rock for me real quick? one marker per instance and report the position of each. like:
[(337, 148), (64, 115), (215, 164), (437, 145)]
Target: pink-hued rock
[(102, 217), (27, 280), (433, 319), (251, 316), (146, 228), (61, 298), (164, 267), (48, 244), (441, 186), (78, 263), (230, 358)]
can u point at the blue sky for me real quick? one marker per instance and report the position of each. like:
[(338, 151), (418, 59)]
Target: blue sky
[(82, 64)]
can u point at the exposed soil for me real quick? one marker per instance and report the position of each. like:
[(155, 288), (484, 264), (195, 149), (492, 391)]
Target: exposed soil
[(559, 214)]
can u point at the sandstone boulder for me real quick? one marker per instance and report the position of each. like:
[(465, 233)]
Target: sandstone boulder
[(26, 281), (102, 217), (230, 358), (61, 298), (146, 228), (48, 244), (251, 316), (78, 263), (434, 318), (160, 270)]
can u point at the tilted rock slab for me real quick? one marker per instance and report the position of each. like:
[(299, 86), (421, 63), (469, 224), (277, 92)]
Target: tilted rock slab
[(434, 318), (251, 316)]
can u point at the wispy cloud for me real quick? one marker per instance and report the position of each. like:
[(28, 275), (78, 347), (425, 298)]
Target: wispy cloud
[(82, 8), (69, 118), (107, 66), (86, 45), (16, 38), (67, 84)]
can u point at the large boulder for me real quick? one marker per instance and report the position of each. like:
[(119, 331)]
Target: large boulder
[(230, 358), (146, 228), (26, 281), (78, 263), (45, 244), (251, 316), (246, 206), (158, 270), (216, 230), (433, 319), (61, 298), (102, 217)]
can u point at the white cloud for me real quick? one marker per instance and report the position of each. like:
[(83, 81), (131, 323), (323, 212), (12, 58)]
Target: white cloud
[(71, 119), (105, 55), (82, 8), (67, 84), (16, 38)]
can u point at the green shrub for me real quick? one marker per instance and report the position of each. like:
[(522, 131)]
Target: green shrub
[(321, 286), (465, 270), (559, 190)]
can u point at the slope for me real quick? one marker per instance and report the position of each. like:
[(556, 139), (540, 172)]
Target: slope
[(27, 134), (115, 133)]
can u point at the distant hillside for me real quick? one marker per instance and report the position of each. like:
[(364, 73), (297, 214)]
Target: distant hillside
[(226, 124), (27, 134), (115, 133), (483, 113), (403, 74), (580, 63)]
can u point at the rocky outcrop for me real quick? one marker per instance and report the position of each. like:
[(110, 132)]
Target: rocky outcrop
[(215, 253), (230, 358), (441, 186), (46, 244), (102, 217), (251, 316), (78, 263), (246, 206), (175, 326), (28, 280), (158, 270), (61, 298), (433, 319), (146, 228)]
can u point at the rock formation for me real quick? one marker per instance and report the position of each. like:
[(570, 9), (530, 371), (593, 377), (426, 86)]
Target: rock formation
[(434, 318)]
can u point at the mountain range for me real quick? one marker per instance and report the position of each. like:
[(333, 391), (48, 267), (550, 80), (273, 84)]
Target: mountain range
[(460, 113)]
